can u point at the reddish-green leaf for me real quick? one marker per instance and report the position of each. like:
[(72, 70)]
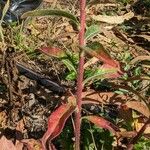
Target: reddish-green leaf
[(53, 51), (97, 50), (117, 72), (102, 123), (57, 120)]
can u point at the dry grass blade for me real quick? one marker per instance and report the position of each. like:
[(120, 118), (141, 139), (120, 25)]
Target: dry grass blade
[(48, 1), (91, 62), (5, 9)]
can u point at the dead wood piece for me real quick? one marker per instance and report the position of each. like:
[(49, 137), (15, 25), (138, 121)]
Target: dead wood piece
[(44, 81)]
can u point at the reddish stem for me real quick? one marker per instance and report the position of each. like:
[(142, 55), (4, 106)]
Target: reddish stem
[(80, 75)]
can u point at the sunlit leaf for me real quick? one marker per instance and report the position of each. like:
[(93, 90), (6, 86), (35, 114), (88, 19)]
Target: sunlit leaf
[(139, 122), (92, 31), (53, 51), (32, 144), (56, 121), (71, 76), (102, 123), (51, 12)]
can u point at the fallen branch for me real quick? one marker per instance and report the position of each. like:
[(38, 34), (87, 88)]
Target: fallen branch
[(44, 81)]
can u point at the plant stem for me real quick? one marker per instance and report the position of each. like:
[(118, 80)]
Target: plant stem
[(80, 75)]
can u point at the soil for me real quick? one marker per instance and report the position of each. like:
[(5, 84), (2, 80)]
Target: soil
[(24, 103)]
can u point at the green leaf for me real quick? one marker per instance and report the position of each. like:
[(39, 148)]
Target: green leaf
[(69, 65), (71, 76), (51, 12), (92, 31), (99, 74), (143, 144), (96, 46)]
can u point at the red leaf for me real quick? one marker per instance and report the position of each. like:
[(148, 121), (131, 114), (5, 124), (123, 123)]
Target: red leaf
[(117, 71), (6, 144), (57, 120), (102, 123), (53, 51)]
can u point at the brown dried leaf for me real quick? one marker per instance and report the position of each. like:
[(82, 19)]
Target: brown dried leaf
[(102, 97), (128, 134), (32, 144), (91, 62), (7, 144), (113, 19), (48, 1), (139, 58), (139, 106), (3, 119)]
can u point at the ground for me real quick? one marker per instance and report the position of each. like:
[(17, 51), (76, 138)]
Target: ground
[(25, 104)]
